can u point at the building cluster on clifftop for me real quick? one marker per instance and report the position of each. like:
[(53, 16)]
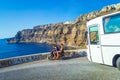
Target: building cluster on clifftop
[(69, 33)]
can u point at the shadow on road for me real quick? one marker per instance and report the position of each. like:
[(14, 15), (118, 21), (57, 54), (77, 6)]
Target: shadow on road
[(75, 55)]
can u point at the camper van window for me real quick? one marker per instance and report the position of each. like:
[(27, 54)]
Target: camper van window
[(111, 24), (94, 37)]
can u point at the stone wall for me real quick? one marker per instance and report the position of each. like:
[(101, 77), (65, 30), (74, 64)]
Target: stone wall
[(36, 57)]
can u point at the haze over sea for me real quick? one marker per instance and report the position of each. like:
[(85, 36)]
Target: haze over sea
[(20, 49)]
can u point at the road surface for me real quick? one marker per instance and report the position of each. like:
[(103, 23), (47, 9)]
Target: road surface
[(71, 69)]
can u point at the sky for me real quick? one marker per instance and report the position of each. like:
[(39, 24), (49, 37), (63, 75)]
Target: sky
[(16, 15)]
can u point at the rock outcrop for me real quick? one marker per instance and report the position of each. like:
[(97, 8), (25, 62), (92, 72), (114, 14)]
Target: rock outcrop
[(69, 33)]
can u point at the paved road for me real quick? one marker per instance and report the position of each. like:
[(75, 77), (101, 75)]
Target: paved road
[(72, 69)]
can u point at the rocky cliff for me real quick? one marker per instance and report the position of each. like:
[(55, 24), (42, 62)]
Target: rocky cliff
[(69, 33)]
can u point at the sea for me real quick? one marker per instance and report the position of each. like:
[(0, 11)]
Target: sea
[(21, 49)]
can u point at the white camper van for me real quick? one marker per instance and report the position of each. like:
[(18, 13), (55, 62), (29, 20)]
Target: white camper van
[(104, 40)]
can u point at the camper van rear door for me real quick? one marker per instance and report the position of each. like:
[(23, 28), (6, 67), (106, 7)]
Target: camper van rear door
[(95, 48)]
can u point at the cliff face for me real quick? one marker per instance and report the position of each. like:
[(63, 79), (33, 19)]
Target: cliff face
[(69, 33)]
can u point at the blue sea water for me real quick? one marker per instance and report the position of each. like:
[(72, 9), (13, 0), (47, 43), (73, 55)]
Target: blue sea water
[(20, 49)]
